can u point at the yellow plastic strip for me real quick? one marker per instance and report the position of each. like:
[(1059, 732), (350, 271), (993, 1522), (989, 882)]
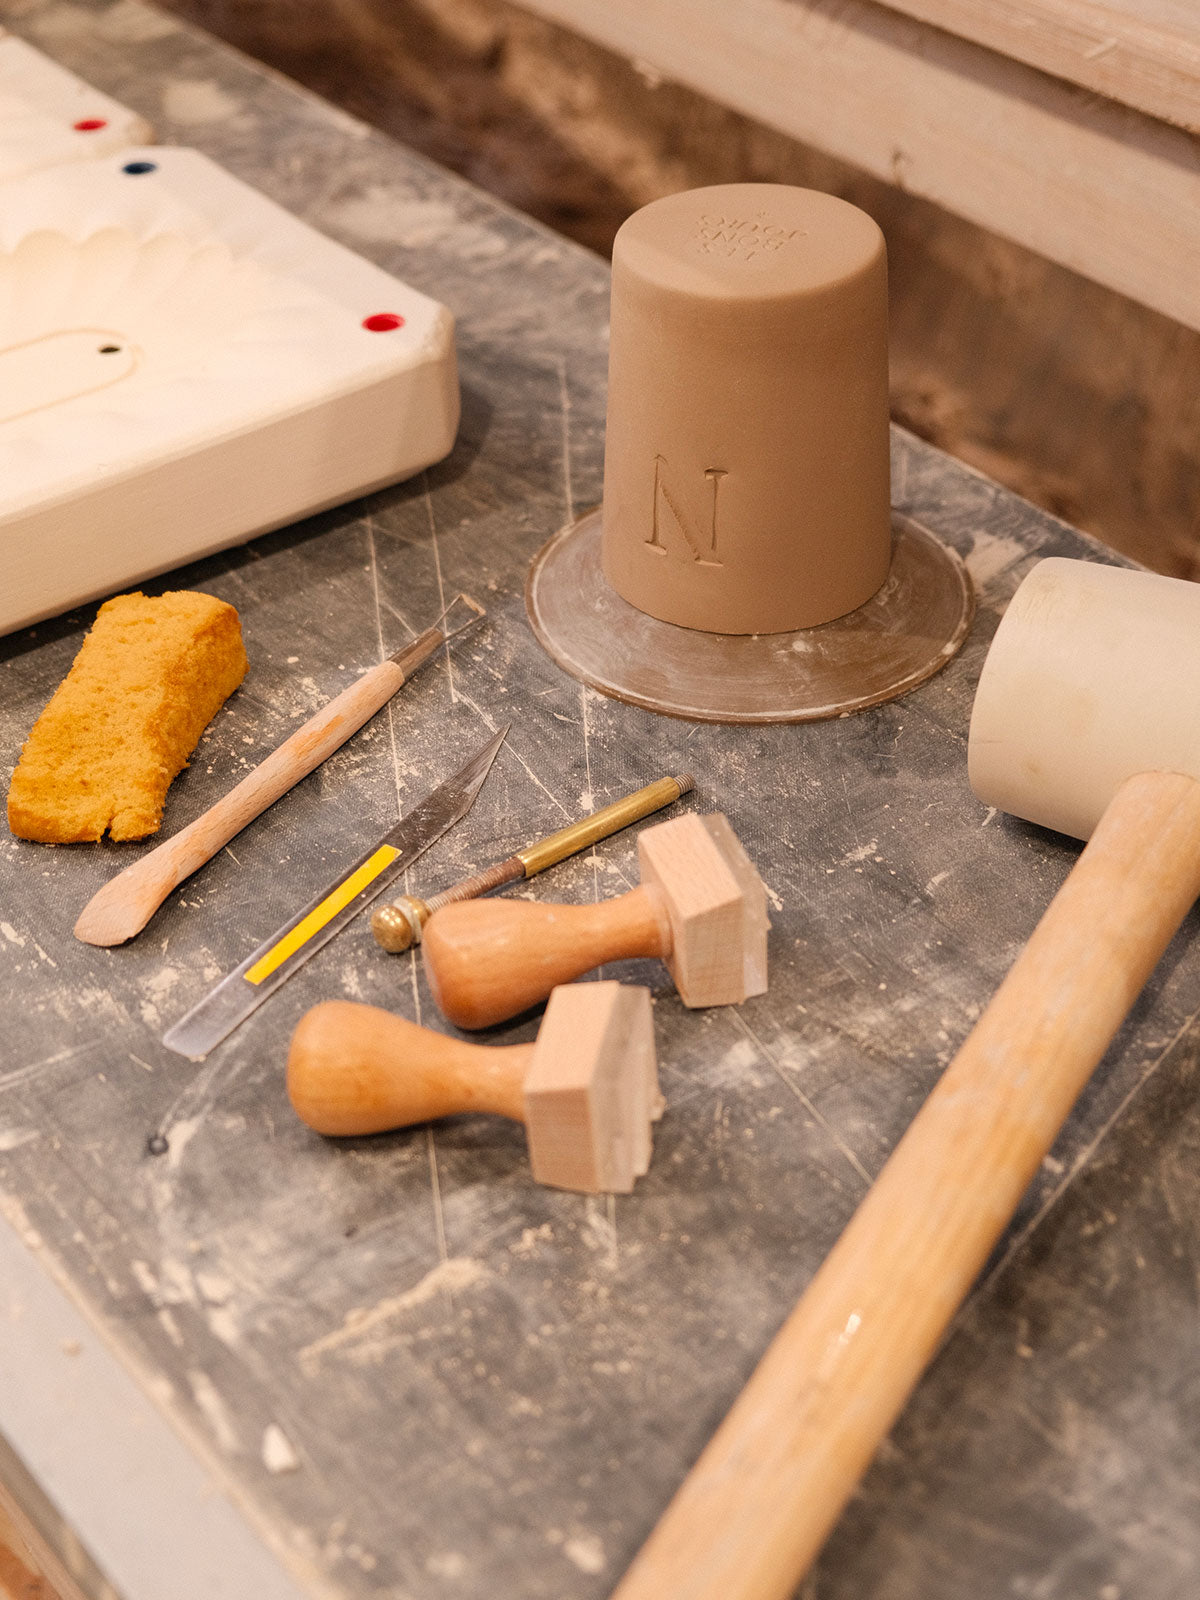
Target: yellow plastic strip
[(320, 915)]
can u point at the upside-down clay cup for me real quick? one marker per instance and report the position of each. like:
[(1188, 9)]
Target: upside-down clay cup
[(746, 484)]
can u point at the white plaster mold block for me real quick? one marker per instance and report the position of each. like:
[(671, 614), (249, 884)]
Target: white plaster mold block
[(48, 115), (183, 365)]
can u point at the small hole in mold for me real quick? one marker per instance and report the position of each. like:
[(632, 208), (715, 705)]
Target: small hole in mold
[(135, 169), (383, 322), (90, 124)]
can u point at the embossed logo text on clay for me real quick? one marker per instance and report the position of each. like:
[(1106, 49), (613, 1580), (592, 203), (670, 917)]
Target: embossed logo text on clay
[(740, 238)]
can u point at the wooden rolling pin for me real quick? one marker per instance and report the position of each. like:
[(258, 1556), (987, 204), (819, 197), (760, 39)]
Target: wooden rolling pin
[(1079, 701), (701, 908), (587, 1090), (125, 904)]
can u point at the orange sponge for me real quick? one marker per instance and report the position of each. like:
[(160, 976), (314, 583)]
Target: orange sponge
[(149, 677)]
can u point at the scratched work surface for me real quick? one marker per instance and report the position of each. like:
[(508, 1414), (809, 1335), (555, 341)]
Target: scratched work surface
[(491, 1389)]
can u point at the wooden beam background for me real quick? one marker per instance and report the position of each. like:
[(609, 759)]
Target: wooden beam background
[(1086, 182), (1144, 53)]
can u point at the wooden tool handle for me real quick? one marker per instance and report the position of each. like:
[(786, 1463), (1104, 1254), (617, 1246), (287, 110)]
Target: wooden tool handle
[(490, 959), (356, 1069), (126, 903), (760, 1501)]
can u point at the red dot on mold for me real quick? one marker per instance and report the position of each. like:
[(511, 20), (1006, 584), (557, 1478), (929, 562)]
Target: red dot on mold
[(90, 124), (383, 322)]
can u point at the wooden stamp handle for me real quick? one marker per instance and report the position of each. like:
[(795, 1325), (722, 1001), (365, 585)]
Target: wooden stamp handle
[(756, 1508), (490, 959), (355, 1069)]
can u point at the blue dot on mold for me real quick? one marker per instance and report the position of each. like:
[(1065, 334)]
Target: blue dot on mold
[(136, 168)]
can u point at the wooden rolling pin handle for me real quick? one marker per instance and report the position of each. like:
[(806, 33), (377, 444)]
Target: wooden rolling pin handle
[(127, 902), (756, 1508), (491, 959), (355, 1069)]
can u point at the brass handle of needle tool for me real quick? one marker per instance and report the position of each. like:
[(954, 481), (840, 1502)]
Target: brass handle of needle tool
[(398, 926)]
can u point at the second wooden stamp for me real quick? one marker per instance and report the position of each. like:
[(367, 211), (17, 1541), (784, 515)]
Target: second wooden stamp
[(586, 1090), (701, 908)]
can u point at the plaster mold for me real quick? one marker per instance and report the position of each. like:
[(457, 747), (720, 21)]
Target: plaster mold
[(183, 365)]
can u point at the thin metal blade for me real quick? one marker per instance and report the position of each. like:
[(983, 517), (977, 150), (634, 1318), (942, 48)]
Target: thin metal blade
[(272, 964)]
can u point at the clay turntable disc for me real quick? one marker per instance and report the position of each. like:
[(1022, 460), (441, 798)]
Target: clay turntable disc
[(905, 633)]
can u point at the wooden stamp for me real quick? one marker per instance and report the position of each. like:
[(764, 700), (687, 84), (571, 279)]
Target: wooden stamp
[(586, 1090), (701, 908)]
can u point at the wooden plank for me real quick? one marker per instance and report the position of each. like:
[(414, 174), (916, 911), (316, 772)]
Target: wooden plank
[(1090, 184), (26, 1561), (1148, 57)]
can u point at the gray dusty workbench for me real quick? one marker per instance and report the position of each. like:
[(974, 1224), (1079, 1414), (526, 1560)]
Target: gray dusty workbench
[(263, 1365)]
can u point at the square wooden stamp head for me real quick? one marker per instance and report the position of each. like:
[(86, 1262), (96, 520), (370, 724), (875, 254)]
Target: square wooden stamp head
[(717, 908), (591, 1091)]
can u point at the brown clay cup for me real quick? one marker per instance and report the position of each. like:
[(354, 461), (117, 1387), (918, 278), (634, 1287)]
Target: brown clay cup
[(746, 480)]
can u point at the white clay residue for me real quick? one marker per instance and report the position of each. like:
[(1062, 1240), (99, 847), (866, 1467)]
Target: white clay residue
[(178, 1136), (277, 1453), (172, 1285), (457, 1273), (389, 216), (449, 1564), (146, 1280), (991, 555), (96, 1002), (14, 1213), (131, 23), (530, 1238), (170, 1327), (10, 933), (223, 1324), (214, 1411), (214, 1286), (599, 1231), (312, 696), (734, 1065), (155, 991), (195, 101), (587, 1553), (860, 852), (14, 1138)]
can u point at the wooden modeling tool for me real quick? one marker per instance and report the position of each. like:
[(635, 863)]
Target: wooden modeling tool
[(398, 926), (587, 1090), (1085, 721), (701, 908), (272, 964), (125, 904)]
